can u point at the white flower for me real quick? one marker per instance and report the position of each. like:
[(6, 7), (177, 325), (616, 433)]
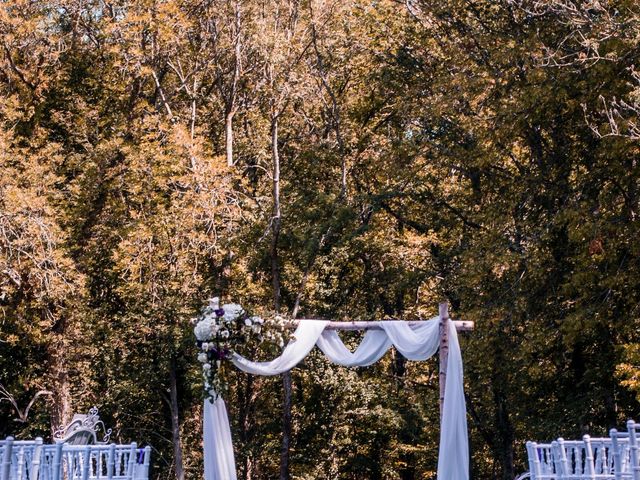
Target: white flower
[(224, 333), (203, 330), (232, 311), (248, 322), (256, 328), (257, 320), (202, 357), (206, 367), (214, 303)]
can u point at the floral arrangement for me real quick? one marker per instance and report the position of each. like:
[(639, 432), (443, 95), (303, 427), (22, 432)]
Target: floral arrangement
[(220, 330)]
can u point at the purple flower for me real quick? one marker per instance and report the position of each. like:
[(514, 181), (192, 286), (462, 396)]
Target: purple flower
[(219, 312), (218, 354)]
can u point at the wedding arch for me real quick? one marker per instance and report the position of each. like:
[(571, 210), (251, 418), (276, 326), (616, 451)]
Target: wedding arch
[(415, 340)]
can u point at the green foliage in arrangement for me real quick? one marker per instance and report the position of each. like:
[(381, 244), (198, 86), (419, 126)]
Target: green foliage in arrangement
[(481, 151)]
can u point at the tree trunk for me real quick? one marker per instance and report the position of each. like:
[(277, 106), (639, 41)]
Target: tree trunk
[(62, 403), (175, 421), (276, 218), (275, 272), (247, 394), (286, 426), (505, 437), (231, 102), (228, 136)]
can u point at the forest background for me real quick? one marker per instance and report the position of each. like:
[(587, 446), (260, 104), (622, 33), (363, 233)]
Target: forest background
[(321, 158)]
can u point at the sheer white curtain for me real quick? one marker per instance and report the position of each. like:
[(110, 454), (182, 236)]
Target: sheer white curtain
[(219, 463), (305, 338), (415, 342), (373, 346), (453, 458)]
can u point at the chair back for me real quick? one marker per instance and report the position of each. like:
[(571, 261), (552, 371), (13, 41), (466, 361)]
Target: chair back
[(6, 451), (606, 458), (24, 458), (31, 460), (82, 430), (633, 430), (81, 436), (541, 461), (112, 462)]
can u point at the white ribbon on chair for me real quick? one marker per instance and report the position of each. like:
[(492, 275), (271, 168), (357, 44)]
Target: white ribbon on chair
[(414, 342)]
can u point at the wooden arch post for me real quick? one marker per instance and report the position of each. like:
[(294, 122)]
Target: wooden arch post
[(443, 313)]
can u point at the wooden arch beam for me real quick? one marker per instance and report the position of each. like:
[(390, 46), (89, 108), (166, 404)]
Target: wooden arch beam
[(443, 313), (461, 325)]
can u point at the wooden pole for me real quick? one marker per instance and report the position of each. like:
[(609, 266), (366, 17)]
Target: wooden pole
[(443, 310)]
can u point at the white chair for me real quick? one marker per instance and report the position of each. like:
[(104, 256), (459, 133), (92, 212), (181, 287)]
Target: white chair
[(82, 430), (621, 446), (51, 462), (31, 460), (626, 452), (541, 461), (112, 462), (633, 429), (589, 458), (616, 457), (142, 467), (28, 456), (6, 449)]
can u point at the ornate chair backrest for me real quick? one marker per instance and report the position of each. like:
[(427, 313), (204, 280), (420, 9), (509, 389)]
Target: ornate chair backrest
[(82, 430), (81, 436)]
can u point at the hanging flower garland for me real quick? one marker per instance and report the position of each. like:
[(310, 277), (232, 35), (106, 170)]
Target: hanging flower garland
[(221, 330)]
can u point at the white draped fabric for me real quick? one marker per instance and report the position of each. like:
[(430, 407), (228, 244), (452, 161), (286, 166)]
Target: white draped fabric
[(415, 342), (304, 339), (219, 463), (373, 346)]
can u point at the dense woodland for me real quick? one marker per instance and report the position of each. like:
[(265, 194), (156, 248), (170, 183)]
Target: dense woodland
[(357, 159)]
